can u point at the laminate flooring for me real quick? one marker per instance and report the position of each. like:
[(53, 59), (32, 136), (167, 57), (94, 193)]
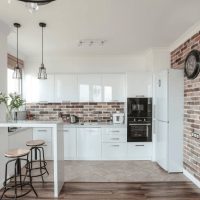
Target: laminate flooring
[(120, 191)]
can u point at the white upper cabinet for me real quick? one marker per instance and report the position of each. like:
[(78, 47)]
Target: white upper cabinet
[(90, 87), (139, 84), (113, 87), (66, 88), (39, 90)]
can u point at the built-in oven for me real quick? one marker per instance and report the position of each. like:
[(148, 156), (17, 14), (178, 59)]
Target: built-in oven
[(139, 107), (139, 130)]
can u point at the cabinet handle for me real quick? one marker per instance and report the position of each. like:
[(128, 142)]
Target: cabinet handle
[(142, 145), (115, 138), (115, 131), (66, 131), (42, 130), (115, 145)]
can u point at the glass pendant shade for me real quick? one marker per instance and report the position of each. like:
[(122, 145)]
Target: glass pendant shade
[(17, 74), (42, 72)]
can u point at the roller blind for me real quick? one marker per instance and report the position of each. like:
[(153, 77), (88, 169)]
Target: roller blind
[(12, 61)]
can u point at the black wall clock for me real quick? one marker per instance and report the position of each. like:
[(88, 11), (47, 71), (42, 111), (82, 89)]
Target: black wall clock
[(192, 64)]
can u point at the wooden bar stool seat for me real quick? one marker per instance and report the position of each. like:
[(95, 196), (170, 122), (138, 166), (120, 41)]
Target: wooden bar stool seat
[(15, 153), (33, 143), (16, 156), (37, 149)]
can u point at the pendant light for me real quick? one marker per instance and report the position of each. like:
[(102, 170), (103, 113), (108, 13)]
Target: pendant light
[(17, 74), (42, 70)]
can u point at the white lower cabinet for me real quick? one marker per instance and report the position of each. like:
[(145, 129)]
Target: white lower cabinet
[(46, 135), (140, 151), (88, 143), (114, 151), (70, 143), (114, 143)]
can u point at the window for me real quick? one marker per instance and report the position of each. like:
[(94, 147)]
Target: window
[(13, 85)]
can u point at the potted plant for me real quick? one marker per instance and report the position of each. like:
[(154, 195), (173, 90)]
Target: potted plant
[(12, 102)]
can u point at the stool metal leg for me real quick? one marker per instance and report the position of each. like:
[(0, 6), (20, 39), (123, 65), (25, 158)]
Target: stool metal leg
[(44, 160), (31, 183)]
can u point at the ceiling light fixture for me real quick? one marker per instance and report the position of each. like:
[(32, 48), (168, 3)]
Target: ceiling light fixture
[(33, 5), (17, 74), (91, 43), (42, 70)]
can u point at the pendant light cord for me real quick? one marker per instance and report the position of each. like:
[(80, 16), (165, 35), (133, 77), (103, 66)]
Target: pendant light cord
[(17, 48), (42, 45)]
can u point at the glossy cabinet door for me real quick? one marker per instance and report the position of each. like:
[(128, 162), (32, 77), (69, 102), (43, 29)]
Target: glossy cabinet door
[(66, 88), (88, 143), (139, 84), (114, 143), (70, 143), (39, 90), (46, 135), (113, 87), (90, 87)]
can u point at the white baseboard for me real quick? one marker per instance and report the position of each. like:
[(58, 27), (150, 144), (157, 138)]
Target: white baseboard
[(191, 177)]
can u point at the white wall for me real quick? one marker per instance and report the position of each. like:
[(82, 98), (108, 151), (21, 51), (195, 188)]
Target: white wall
[(3, 87), (100, 64)]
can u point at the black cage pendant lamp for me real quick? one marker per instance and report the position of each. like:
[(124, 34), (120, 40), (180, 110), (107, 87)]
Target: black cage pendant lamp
[(17, 74), (42, 70)]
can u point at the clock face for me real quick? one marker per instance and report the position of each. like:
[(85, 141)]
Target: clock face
[(192, 64)]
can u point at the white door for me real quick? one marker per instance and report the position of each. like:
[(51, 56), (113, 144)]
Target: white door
[(162, 96), (162, 144), (139, 84), (89, 86), (66, 88), (39, 90), (88, 143), (113, 87), (70, 143)]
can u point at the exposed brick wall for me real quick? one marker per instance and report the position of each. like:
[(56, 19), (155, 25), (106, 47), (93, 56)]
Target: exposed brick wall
[(85, 111), (191, 107), (178, 55)]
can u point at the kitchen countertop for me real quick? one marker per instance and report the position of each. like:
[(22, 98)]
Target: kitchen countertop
[(94, 125)]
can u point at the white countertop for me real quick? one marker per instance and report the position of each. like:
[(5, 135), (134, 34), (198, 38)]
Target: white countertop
[(41, 124), (29, 123), (94, 125)]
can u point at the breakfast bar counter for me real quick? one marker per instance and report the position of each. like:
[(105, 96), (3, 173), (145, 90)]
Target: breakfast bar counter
[(57, 143)]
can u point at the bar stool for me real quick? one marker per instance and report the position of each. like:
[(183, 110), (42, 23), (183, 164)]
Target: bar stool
[(17, 156), (36, 148)]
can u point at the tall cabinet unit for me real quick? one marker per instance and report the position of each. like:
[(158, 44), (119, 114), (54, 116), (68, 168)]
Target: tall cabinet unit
[(169, 95)]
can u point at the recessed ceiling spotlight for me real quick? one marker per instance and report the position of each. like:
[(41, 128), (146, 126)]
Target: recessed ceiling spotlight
[(91, 43)]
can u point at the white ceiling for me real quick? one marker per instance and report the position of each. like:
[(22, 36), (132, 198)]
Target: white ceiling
[(128, 26)]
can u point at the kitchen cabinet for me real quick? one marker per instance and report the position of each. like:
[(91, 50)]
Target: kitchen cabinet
[(39, 90), (70, 143), (114, 143), (66, 88), (113, 87), (139, 84), (140, 151), (88, 143), (46, 135), (90, 87)]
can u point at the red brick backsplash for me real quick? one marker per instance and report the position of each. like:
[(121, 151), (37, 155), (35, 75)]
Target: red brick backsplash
[(191, 107), (87, 111)]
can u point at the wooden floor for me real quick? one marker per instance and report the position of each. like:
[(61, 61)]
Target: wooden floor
[(124, 191)]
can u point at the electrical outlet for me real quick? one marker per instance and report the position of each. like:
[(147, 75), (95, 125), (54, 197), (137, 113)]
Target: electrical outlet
[(195, 135)]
